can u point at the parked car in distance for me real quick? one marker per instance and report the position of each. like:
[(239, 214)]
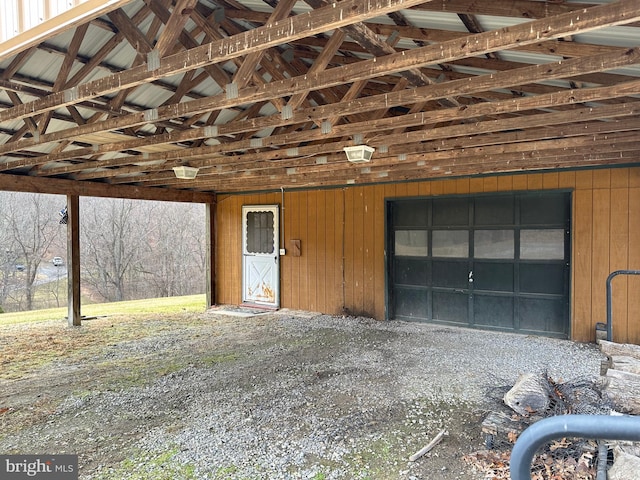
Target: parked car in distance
[(57, 261), (19, 267)]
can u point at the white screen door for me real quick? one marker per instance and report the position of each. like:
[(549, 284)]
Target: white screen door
[(260, 255)]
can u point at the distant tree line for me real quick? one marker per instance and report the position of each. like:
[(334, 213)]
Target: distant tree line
[(129, 249)]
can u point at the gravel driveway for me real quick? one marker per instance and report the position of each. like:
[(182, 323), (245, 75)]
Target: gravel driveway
[(286, 395)]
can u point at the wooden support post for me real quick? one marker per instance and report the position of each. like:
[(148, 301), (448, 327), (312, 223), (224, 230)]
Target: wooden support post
[(73, 260), (211, 232)]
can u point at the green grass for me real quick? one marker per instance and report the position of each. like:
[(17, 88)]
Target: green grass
[(147, 465), (191, 303)]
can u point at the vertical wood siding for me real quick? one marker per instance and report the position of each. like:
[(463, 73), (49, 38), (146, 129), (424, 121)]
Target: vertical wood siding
[(342, 233)]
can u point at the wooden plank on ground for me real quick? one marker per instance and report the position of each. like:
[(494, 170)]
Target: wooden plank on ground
[(613, 349)]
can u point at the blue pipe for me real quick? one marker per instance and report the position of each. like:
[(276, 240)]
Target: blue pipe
[(582, 426)]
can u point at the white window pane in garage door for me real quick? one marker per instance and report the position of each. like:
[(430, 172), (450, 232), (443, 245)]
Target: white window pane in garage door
[(542, 244), (493, 244), (411, 243), (451, 243)]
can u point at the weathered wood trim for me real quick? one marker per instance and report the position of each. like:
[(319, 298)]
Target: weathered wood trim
[(211, 230), (73, 261), (21, 183)]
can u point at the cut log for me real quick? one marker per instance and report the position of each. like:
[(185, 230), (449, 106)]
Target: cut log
[(623, 389), (625, 467), (625, 363), (605, 365), (530, 394), (626, 376), (500, 429), (626, 349), (620, 446)]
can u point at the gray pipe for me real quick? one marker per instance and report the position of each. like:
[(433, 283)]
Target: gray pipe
[(603, 452), (610, 278), (582, 426)]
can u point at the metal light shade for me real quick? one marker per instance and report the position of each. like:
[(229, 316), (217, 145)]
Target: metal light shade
[(183, 171), (359, 153)]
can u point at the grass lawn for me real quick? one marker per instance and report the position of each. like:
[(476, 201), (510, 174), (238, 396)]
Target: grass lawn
[(191, 303)]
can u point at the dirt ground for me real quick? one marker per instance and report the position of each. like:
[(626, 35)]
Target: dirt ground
[(285, 395)]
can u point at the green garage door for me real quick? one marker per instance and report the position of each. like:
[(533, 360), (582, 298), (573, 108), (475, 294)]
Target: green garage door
[(493, 262)]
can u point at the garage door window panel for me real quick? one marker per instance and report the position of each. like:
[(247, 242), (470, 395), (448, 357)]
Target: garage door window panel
[(542, 244), (411, 243), (450, 243), (497, 244)]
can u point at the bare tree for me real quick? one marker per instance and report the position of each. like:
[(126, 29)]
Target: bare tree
[(129, 248), (175, 249), (32, 225), (8, 256), (111, 235)]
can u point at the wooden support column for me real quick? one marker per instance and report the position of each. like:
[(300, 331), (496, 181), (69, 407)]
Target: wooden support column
[(211, 232), (73, 260)]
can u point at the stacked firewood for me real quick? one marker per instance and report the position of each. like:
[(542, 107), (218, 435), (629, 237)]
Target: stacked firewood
[(620, 383), (621, 376)]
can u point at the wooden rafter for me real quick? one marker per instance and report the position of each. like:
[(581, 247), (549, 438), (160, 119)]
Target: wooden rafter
[(175, 24), (258, 98)]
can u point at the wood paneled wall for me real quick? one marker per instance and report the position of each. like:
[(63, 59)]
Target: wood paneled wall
[(342, 266)]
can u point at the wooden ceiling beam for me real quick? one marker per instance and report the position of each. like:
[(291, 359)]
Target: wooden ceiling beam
[(544, 47), (580, 144), (173, 27), (529, 9), (504, 79), (261, 38), (499, 116), (323, 80), (321, 62), (21, 183), (18, 61), (251, 61), (437, 139), (514, 8), (217, 74), (415, 172), (29, 122), (63, 73), (132, 33), (418, 170)]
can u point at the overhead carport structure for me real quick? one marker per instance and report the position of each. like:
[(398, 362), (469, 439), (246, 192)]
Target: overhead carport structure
[(261, 96)]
